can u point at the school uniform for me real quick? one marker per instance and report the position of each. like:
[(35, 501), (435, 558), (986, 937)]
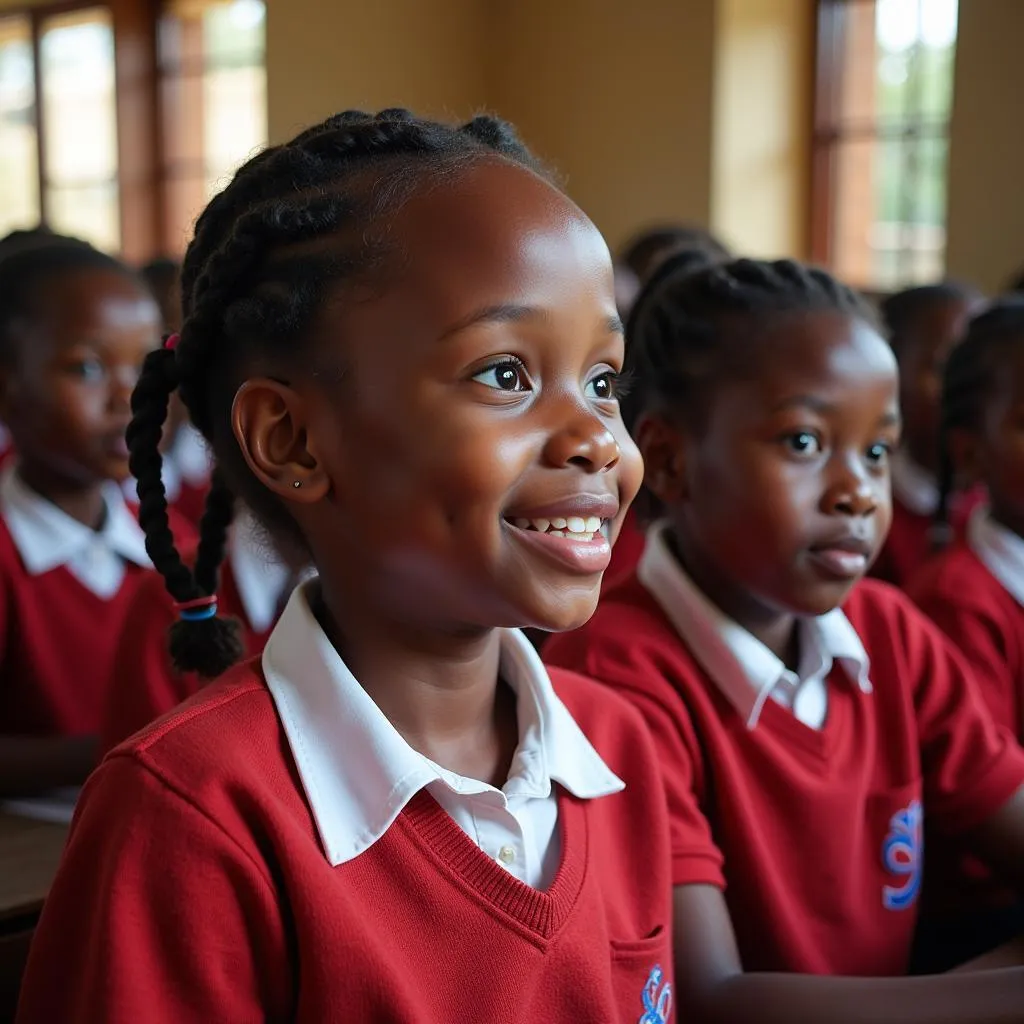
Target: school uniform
[(274, 849), (915, 500), (628, 548), (64, 592), (145, 684), (801, 795), (974, 592)]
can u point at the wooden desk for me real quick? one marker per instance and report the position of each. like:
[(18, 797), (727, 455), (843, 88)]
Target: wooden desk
[(29, 853)]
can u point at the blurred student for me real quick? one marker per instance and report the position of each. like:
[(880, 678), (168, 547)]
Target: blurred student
[(75, 327), (925, 324), (974, 591)]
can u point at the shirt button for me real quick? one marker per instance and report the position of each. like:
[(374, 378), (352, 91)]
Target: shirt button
[(506, 855)]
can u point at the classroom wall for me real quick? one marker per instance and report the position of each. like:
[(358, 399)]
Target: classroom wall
[(763, 109), (325, 57), (618, 97), (986, 195)]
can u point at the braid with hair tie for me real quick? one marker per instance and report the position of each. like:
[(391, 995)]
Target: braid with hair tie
[(688, 321), (295, 222)]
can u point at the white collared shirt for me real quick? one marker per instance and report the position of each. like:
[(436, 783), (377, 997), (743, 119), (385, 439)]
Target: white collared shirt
[(745, 670), (1000, 550), (358, 772), (47, 537), (259, 574), (913, 486)]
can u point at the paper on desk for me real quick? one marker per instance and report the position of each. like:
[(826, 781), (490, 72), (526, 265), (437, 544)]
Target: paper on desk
[(56, 805)]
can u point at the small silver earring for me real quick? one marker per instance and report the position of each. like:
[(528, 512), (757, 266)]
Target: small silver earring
[(296, 483)]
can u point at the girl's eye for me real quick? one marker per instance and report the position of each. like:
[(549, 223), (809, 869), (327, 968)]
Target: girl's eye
[(879, 453), (91, 370), (803, 443), (508, 375), (604, 387)]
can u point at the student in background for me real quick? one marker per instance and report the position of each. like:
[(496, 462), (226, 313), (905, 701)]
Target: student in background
[(401, 341), (254, 585), (924, 324), (75, 326), (974, 591), (643, 253), (808, 722)]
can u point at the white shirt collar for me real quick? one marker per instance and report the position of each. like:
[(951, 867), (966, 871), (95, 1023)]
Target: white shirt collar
[(47, 537), (1000, 550), (259, 574), (358, 772), (913, 486), (745, 670)]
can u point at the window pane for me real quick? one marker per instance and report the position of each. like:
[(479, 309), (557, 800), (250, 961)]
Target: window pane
[(80, 125), (86, 211), (19, 167), (214, 100)]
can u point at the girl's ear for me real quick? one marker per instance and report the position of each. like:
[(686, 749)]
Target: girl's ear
[(268, 419), (663, 444)]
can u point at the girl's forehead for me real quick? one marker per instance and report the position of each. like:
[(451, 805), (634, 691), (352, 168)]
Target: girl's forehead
[(491, 234)]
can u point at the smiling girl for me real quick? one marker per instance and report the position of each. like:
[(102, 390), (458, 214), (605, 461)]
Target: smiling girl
[(401, 342)]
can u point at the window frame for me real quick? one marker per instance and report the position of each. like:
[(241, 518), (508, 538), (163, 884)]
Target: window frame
[(828, 132)]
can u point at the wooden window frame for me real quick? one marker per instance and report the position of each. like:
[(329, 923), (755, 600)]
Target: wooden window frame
[(827, 130)]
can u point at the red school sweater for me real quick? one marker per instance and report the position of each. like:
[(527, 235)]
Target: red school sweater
[(58, 641), (144, 684), (985, 622), (815, 836), (194, 888)]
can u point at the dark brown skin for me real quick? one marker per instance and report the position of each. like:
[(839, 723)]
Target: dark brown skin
[(923, 351), (789, 459), (413, 465), (66, 403)]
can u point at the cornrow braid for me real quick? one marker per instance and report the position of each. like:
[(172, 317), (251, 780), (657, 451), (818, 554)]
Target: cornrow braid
[(969, 378), (295, 223), (688, 321)]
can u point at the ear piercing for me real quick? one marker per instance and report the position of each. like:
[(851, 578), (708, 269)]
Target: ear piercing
[(296, 483)]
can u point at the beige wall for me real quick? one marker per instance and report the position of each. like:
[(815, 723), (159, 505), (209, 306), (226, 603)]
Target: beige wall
[(763, 73), (986, 187), (327, 55), (617, 96)]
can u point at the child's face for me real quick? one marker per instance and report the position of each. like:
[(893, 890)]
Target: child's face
[(780, 497), (67, 401), (476, 395), (994, 454), (924, 353)]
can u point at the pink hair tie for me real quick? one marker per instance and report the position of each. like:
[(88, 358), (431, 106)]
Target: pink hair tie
[(171, 341)]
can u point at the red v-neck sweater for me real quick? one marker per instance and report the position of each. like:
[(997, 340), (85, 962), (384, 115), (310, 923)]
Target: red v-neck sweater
[(815, 835), (194, 888)]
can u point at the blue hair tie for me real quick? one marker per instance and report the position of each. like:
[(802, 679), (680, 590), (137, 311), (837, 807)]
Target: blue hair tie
[(198, 609)]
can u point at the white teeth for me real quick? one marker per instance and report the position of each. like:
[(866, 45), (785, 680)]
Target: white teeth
[(522, 524), (559, 523), (541, 525), (586, 536), (557, 533), (576, 524), (577, 527), (593, 524)]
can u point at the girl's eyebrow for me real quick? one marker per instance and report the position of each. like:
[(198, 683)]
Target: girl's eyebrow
[(509, 313), (822, 407)]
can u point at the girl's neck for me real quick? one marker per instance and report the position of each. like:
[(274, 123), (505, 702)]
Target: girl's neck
[(81, 502), (776, 630), (439, 690)]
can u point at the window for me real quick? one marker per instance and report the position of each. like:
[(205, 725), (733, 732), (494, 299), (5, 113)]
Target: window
[(884, 91), (116, 127)]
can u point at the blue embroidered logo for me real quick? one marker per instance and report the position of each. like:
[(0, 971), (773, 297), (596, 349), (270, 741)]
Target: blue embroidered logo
[(902, 854), (657, 998)]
